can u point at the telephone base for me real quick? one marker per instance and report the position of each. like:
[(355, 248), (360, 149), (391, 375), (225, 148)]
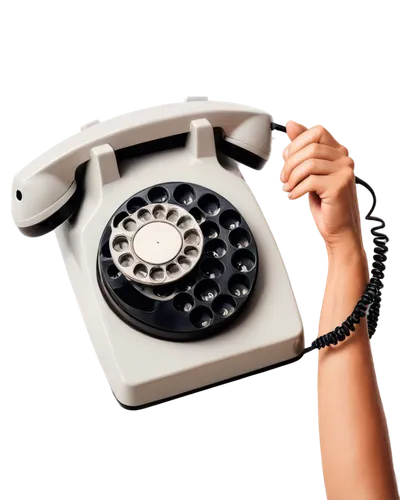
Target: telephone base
[(143, 370)]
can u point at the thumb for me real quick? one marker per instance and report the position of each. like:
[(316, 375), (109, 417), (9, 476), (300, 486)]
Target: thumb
[(294, 129)]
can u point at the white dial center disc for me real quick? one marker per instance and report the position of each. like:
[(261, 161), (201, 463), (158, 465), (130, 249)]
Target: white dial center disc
[(157, 242)]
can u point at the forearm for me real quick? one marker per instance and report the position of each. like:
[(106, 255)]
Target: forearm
[(354, 439)]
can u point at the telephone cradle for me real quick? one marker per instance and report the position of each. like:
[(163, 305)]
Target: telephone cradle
[(176, 272)]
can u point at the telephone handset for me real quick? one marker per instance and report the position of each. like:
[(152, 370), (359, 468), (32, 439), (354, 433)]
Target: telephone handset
[(247, 138)]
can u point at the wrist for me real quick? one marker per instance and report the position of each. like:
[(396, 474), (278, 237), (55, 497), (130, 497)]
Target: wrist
[(348, 248), (347, 278), (345, 244)]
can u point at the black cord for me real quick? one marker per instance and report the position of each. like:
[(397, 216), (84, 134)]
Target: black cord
[(370, 302), (279, 127), (373, 295)]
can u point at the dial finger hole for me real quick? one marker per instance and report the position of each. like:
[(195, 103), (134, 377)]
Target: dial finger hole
[(173, 270), (163, 291), (230, 219), (159, 212), (183, 302), (206, 290), (210, 229), (192, 237), (184, 194), (184, 262), (134, 204), (191, 252), (105, 250), (185, 284), (144, 215), (126, 260), (185, 222), (197, 214), (118, 218), (120, 244), (243, 260), (172, 216), (209, 204), (215, 248), (129, 225), (212, 268), (224, 305), (201, 317), (113, 272), (239, 285), (157, 274), (239, 238), (140, 271), (158, 194)]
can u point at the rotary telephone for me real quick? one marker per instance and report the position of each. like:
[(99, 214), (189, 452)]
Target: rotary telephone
[(176, 272)]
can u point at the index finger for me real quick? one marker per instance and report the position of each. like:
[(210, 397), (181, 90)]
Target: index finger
[(315, 134)]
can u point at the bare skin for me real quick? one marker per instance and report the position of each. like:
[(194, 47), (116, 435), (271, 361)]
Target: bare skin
[(355, 447)]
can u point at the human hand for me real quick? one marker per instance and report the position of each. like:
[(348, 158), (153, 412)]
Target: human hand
[(317, 164)]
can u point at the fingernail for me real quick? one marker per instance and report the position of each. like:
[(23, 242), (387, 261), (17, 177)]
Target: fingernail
[(285, 187), (285, 152), (283, 176), (289, 196)]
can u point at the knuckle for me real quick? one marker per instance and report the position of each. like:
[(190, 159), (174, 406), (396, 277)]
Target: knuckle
[(309, 165), (320, 129), (350, 174), (314, 149), (344, 151), (350, 162), (311, 182)]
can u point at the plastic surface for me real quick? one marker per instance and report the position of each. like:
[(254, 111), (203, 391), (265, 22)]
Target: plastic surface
[(153, 243), (195, 305)]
